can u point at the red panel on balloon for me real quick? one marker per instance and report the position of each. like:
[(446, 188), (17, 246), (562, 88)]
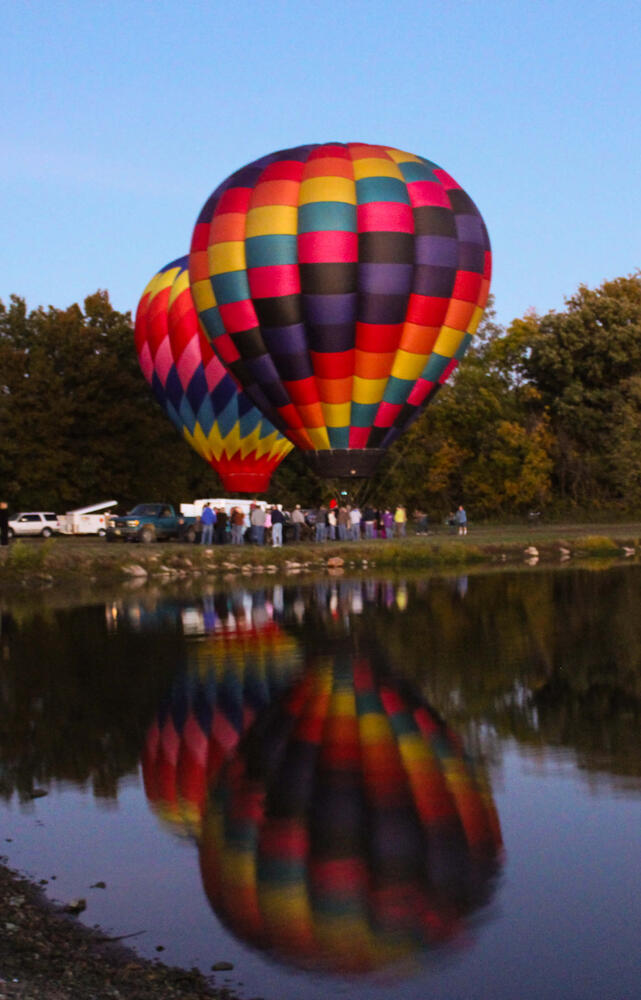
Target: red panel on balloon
[(327, 247), (385, 217), (467, 286), (268, 282), (383, 337)]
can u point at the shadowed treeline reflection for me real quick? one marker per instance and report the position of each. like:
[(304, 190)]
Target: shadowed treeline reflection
[(551, 659)]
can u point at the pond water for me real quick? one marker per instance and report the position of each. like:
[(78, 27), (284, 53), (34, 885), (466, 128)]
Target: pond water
[(369, 787)]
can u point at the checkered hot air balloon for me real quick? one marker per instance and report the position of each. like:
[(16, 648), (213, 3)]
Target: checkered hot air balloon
[(195, 390), (349, 830), (341, 285)]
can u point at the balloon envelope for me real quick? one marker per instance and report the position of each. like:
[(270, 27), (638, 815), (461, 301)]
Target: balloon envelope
[(341, 284), (230, 676), (349, 829), (195, 390)]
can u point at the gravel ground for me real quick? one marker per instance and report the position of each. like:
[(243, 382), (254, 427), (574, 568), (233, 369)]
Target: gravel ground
[(46, 955)]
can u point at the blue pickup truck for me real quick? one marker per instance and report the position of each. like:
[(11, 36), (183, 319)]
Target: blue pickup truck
[(152, 522)]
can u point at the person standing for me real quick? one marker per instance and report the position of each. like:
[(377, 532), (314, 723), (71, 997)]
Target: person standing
[(400, 521), (257, 519), (207, 520), (4, 523), (220, 531), (461, 520), (343, 523), (298, 520), (277, 527), (369, 517), (321, 523), (331, 523), (355, 522), (237, 526)]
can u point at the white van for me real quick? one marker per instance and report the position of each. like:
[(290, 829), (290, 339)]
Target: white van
[(195, 509)]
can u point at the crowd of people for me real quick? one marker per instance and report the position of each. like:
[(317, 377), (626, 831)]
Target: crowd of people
[(330, 522)]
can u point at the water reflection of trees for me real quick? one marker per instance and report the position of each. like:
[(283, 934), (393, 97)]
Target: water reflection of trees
[(546, 658), (74, 701)]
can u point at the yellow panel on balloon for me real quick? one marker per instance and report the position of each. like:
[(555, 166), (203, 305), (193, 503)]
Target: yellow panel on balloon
[(337, 414), (474, 322), (375, 166), (374, 728), (400, 157), (281, 220), (368, 390), (224, 257), (343, 703), (203, 294), (318, 437), (408, 366), (291, 900), (448, 342), (327, 189)]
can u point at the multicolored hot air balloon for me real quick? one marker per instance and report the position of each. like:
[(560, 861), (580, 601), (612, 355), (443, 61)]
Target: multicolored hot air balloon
[(341, 285), (349, 830), (231, 675), (196, 391)]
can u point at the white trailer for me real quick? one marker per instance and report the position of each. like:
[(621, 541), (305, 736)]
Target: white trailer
[(90, 520)]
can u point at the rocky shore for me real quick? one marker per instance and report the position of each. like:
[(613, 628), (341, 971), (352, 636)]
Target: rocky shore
[(76, 560), (45, 954)]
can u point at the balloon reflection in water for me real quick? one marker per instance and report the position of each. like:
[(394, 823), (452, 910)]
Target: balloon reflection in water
[(230, 677), (349, 830)]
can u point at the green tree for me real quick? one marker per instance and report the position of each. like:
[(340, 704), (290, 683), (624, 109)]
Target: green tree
[(484, 440), (78, 422), (585, 363)]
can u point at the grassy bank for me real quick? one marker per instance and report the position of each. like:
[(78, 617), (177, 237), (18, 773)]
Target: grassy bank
[(38, 562)]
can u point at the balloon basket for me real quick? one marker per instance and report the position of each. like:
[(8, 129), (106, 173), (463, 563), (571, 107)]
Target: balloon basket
[(344, 463)]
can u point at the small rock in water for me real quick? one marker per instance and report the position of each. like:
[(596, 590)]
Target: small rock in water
[(134, 569), (98, 885), (76, 906), (221, 966)]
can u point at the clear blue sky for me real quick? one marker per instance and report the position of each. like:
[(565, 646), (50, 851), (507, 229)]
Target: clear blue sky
[(119, 119)]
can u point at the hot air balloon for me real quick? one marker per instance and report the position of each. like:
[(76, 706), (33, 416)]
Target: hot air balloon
[(349, 830), (341, 285), (196, 391), (232, 674)]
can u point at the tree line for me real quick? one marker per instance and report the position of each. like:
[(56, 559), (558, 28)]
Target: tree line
[(544, 414)]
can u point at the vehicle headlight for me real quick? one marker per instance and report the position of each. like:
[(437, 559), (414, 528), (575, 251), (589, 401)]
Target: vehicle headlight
[(133, 524)]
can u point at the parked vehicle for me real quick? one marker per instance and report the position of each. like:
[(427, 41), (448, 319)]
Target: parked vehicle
[(151, 522), (42, 523), (90, 520), (195, 509)]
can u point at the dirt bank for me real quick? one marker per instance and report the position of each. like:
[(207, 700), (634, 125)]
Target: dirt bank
[(89, 562), (46, 955)]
